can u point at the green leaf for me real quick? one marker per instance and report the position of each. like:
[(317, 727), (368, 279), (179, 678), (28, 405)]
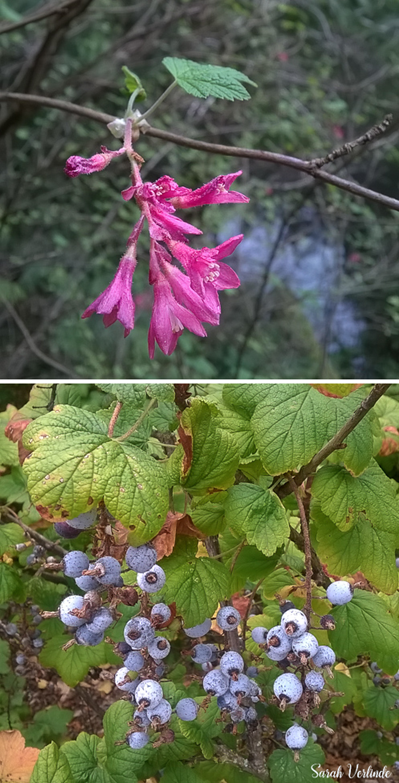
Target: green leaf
[(215, 773), (73, 664), (81, 755), (371, 743), (203, 729), (46, 594), (203, 80), (132, 83), (365, 626), (8, 449), (131, 393), (341, 684), (74, 465), (258, 514), (180, 773), (251, 565), (10, 582), (196, 584), (211, 455), (244, 397), (293, 422), (361, 548), (347, 500), (164, 392), (239, 425), (283, 767), (13, 487), (48, 724), (51, 767), (121, 762), (4, 656), (208, 515), (10, 535), (379, 702), (128, 415)]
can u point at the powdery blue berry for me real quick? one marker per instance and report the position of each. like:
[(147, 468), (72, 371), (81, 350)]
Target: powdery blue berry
[(139, 633), (240, 686), (160, 614), (83, 521), (324, 656), (123, 680), (314, 681), (278, 653), (259, 634), (288, 688), (228, 618), (339, 593), (237, 715), (198, 630), (161, 713), (87, 638), (159, 648), (294, 623), (134, 661), (65, 531), (142, 719), (66, 606), (153, 580), (141, 558), (227, 701), (277, 637), (201, 653), (305, 646), (215, 683), (109, 570), (296, 737), (231, 663), (73, 563), (187, 709), (148, 694), (86, 583), (252, 671), (138, 740), (101, 620), (250, 714)]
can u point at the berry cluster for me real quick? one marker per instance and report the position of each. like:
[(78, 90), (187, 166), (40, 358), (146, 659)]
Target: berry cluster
[(292, 646)]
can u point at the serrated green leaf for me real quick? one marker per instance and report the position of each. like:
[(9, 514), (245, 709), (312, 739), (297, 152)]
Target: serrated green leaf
[(81, 755), (47, 724), (283, 767), (121, 762), (13, 487), (211, 454), (10, 582), (293, 422), (203, 729), (215, 773), (180, 773), (73, 664), (208, 515), (365, 626), (164, 392), (361, 548), (130, 393), (128, 416), (74, 465), (347, 499), (196, 584), (259, 515), (52, 767), (244, 397), (132, 83), (379, 702), (371, 743), (8, 449), (46, 594), (10, 534), (251, 565), (341, 684), (275, 582), (239, 425), (203, 80)]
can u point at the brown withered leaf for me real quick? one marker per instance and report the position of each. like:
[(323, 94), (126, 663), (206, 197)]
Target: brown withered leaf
[(176, 523), (390, 444), (241, 603), (16, 761), (186, 440), (13, 431)]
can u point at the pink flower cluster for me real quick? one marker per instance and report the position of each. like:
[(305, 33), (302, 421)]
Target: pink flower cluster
[(182, 299)]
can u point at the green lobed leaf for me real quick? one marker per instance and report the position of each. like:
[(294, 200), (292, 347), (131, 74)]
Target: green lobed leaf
[(74, 465), (47, 724), (347, 499), (121, 762), (293, 421), (283, 768), (196, 584), (361, 548), (163, 392), (10, 582), (4, 656), (244, 397), (180, 773), (8, 449), (10, 534), (211, 455), (52, 767), (208, 515), (128, 415), (73, 664), (215, 773), (132, 83), (379, 702), (13, 487), (365, 626), (81, 755), (203, 80), (371, 743), (204, 728), (259, 515), (131, 393)]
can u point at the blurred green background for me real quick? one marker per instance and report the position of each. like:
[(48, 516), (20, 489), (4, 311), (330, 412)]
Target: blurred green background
[(319, 268)]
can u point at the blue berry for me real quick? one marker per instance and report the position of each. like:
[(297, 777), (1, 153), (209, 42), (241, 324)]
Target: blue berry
[(107, 570), (87, 583), (252, 671), (339, 593), (259, 634), (123, 680), (198, 630), (138, 740), (153, 580), (73, 563), (134, 661), (240, 686), (231, 663), (305, 647), (161, 713), (141, 558), (288, 688), (215, 683), (187, 709), (148, 693), (314, 681), (227, 701), (139, 632), (101, 620), (237, 715), (324, 656), (83, 521), (160, 614), (70, 603), (294, 623), (228, 618), (87, 638), (296, 737), (202, 653), (159, 648), (65, 531)]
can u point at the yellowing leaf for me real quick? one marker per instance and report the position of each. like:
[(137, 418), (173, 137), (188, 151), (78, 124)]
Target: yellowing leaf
[(341, 667), (16, 761)]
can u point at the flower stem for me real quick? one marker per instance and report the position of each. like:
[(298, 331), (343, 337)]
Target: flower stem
[(307, 547), (138, 422), (157, 103), (114, 418)]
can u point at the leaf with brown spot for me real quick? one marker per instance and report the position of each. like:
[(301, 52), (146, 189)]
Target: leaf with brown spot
[(390, 444), (186, 441), (16, 761), (175, 523)]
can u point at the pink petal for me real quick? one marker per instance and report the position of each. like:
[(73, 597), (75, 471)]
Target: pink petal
[(228, 247), (76, 165), (214, 192)]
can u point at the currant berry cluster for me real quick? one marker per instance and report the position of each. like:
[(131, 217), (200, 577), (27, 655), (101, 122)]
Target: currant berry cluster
[(291, 645)]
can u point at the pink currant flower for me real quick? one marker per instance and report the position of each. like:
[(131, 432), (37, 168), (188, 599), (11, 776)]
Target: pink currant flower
[(206, 271), (77, 165), (116, 302), (214, 192), (169, 319)]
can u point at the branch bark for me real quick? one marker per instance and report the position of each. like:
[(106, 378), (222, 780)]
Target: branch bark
[(33, 534), (306, 545), (337, 440), (307, 166)]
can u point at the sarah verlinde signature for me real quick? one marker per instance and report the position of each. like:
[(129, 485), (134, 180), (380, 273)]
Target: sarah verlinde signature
[(353, 772)]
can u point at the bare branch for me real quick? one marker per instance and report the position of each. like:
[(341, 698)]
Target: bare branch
[(337, 440), (307, 547), (347, 148), (48, 10), (306, 166), (33, 534)]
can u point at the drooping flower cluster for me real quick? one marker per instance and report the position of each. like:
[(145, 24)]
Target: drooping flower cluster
[(182, 299)]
